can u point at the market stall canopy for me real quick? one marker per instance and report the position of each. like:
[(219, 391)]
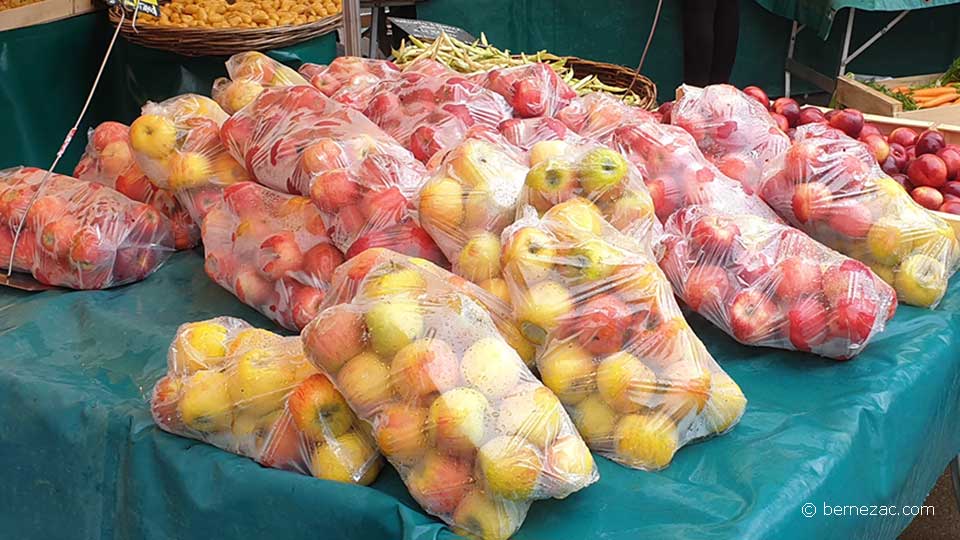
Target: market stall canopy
[(818, 15)]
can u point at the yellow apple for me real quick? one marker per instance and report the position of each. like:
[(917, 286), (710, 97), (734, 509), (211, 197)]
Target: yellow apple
[(542, 308), (921, 280), (439, 482), (200, 345), (401, 432), (601, 169), (524, 348), (883, 272), (596, 259), (424, 367), (533, 414), (349, 459), (238, 94), (259, 383), (568, 370), (393, 324), (399, 281), (685, 385), (629, 209), (726, 403), (479, 516), (153, 135), (625, 383), (544, 150), (595, 420), (646, 441), (575, 219), (205, 404), (319, 410), (469, 163), (510, 466), (365, 382), (480, 257), (497, 287), (455, 421), (441, 204), (252, 338), (189, 170), (530, 254), (492, 367), (887, 241), (570, 463)]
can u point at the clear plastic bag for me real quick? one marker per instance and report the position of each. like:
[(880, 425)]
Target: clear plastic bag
[(296, 140), (270, 250), (108, 160), (767, 284), (176, 143), (429, 108), (613, 344), (533, 90), (78, 234), (732, 129), (560, 171), (831, 188), (252, 392), (250, 72), (677, 175), (475, 436), (596, 116), (524, 133), (350, 80), (471, 197)]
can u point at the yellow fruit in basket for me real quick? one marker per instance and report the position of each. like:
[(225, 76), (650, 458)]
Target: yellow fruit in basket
[(455, 421), (535, 414), (252, 338), (365, 382), (542, 308), (189, 170), (401, 432), (491, 366), (400, 281), (575, 219), (479, 516), (238, 94), (205, 404), (441, 204), (887, 241), (510, 467), (480, 257), (646, 441), (594, 419), (568, 370), (602, 169), (393, 324), (726, 403), (497, 287), (625, 383), (530, 254), (201, 345), (259, 382), (544, 150), (921, 280), (569, 458), (344, 460), (883, 272), (153, 135)]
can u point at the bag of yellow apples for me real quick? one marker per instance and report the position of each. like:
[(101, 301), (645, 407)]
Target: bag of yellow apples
[(177, 145), (613, 345), (831, 187), (250, 72), (252, 392), (475, 436), (560, 171), (471, 197), (108, 160)]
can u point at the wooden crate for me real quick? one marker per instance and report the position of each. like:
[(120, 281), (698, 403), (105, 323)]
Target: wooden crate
[(45, 11), (851, 93)]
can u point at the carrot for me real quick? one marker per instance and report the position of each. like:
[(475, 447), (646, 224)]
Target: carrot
[(902, 89), (934, 92), (941, 100)]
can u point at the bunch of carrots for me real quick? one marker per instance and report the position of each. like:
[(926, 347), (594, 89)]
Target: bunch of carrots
[(935, 96)]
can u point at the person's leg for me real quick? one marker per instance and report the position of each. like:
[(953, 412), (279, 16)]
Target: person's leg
[(726, 33), (697, 20)]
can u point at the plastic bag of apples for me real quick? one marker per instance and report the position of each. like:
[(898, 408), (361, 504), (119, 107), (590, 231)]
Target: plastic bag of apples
[(108, 160), (270, 250), (250, 72), (176, 143), (677, 174), (767, 284), (428, 108), (77, 234), (471, 197), (350, 79), (596, 115), (475, 436), (560, 171), (733, 130), (830, 186), (533, 90), (613, 344), (524, 133), (296, 140), (253, 393)]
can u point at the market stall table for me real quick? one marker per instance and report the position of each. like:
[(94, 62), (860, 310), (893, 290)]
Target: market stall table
[(84, 459)]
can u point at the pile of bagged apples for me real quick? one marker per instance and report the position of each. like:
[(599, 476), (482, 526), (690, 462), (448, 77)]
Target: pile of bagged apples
[(485, 268)]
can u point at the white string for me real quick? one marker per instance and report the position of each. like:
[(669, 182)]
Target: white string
[(643, 57), (66, 143)]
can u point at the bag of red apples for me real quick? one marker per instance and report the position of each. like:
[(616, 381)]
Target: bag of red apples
[(108, 160), (270, 250), (77, 234), (830, 187), (767, 284), (350, 80), (428, 108), (677, 175), (613, 345), (733, 130), (475, 436), (250, 72), (533, 90), (595, 116), (252, 392), (296, 140), (524, 133), (560, 171), (176, 143)]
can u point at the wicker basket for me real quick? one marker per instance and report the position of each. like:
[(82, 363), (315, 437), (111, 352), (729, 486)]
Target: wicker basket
[(616, 75), (222, 41)]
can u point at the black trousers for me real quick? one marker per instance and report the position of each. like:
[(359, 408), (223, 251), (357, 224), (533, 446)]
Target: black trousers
[(710, 32)]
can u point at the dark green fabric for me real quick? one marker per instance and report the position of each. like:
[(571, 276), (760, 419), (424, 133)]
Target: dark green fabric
[(818, 15), (83, 460), (46, 72)]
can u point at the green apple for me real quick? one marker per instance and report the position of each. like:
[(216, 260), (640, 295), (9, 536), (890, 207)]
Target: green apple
[(393, 324), (601, 169)]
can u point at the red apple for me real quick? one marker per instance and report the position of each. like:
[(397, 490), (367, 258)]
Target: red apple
[(851, 219), (878, 146), (384, 207), (808, 323), (665, 109), (831, 113), (811, 202), (334, 190), (951, 189), (927, 170), (715, 234), (951, 158), (279, 254), (799, 159), (889, 166), (424, 143), (304, 304), (88, 251), (665, 195), (810, 115), (951, 207), (845, 281), (600, 324), (244, 197), (109, 132), (797, 276), (927, 197), (252, 289), (853, 319), (758, 94), (929, 142), (849, 121), (789, 108), (707, 286), (899, 155), (868, 130), (753, 317), (321, 260), (903, 180), (903, 136), (781, 121)]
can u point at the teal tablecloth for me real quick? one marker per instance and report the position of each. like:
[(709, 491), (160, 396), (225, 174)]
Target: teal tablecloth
[(82, 458)]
